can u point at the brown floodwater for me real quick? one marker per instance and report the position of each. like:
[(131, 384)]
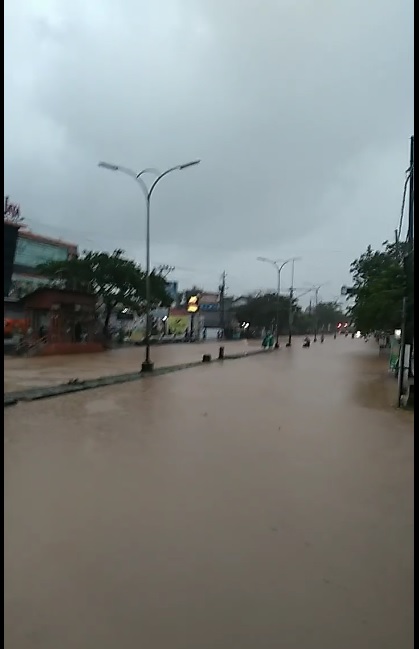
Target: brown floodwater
[(263, 504)]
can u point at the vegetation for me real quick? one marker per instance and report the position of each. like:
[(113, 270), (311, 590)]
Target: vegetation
[(261, 311), (118, 282), (327, 314), (379, 282)]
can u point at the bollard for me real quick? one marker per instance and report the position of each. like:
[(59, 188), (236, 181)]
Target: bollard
[(221, 354), (206, 358)]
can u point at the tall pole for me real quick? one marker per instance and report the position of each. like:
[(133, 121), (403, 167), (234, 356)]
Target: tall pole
[(290, 312), (409, 260), (401, 374), (407, 337), (274, 262), (147, 365), (222, 303), (147, 361), (310, 314), (278, 304), (316, 304)]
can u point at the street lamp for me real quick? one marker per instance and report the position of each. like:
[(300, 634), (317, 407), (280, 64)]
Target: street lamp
[(147, 365), (290, 313), (274, 262), (316, 290)]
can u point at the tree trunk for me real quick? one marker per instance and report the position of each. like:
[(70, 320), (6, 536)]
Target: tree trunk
[(106, 333)]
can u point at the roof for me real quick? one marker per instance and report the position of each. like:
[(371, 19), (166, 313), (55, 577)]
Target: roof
[(12, 224), (67, 295)]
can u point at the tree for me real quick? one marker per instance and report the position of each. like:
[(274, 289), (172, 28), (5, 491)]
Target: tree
[(379, 283), (327, 314), (261, 311), (117, 281)]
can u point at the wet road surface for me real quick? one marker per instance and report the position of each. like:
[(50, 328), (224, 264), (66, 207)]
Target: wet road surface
[(22, 373), (263, 504)]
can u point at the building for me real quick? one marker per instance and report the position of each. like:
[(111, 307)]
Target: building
[(10, 235), (32, 250), (61, 321)]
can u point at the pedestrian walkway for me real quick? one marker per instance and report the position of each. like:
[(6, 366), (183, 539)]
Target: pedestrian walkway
[(24, 373)]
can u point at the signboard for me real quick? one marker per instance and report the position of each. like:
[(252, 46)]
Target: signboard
[(177, 325), (209, 307), (193, 304)]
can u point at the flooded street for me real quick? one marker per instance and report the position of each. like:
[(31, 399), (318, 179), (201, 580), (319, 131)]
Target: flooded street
[(21, 373), (263, 503)]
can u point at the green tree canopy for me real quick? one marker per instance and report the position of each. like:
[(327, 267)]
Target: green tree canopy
[(379, 283), (327, 313), (261, 311), (114, 279)]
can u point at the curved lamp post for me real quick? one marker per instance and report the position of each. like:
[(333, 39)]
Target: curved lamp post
[(147, 365), (279, 267)]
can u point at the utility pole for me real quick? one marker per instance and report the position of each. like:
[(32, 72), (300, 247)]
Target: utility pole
[(290, 312), (316, 304), (309, 314), (165, 270), (409, 261), (222, 289)]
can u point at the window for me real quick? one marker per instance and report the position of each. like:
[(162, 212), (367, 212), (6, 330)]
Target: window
[(32, 253)]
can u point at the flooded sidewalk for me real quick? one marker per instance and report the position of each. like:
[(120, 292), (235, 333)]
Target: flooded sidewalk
[(24, 373), (260, 504)]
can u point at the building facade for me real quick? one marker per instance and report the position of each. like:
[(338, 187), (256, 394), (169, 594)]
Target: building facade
[(32, 250), (10, 237)]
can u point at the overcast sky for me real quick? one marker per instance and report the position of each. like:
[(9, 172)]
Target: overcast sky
[(300, 110)]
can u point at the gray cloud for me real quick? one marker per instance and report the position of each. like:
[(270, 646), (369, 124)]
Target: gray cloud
[(300, 111)]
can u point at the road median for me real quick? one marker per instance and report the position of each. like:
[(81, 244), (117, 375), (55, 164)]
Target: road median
[(75, 385)]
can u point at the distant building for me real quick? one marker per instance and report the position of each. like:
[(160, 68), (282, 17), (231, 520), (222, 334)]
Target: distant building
[(32, 250), (10, 235), (172, 289)]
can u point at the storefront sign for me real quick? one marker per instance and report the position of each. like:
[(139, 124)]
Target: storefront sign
[(177, 325)]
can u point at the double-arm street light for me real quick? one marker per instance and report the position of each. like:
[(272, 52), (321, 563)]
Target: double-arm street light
[(279, 266), (316, 289), (290, 312), (147, 365)]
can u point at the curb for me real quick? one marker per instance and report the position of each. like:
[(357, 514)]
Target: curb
[(34, 394)]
